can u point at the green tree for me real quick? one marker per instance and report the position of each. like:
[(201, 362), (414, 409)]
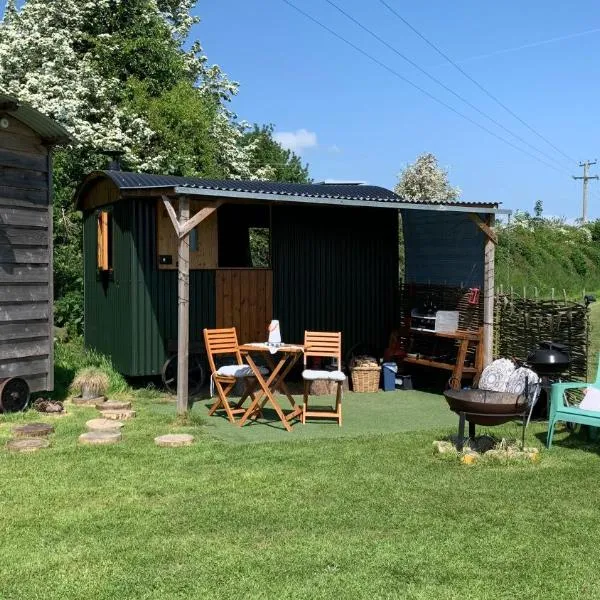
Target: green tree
[(285, 164), (123, 75)]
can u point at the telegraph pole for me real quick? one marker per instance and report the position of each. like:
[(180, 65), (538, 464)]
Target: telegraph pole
[(585, 178)]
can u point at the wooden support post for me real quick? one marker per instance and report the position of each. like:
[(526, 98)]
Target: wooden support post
[(488, 296), (183, 297)]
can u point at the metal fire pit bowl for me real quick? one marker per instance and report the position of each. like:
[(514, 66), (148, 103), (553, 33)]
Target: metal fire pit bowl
[(482, 407)]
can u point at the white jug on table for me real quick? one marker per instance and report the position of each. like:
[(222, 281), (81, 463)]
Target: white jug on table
[(274, 332)]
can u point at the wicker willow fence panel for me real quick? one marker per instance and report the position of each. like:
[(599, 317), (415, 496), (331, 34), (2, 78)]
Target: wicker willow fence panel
[(520, 324)]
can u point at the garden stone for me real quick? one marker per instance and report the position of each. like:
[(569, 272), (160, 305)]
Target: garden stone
[(119, 415), (103, 425), (81, 401), (113, 405), (27, 444), (100, 438), (31, 430), (174, 440)]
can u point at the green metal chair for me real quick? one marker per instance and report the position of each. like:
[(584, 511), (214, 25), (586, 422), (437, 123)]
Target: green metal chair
[(561, 411)]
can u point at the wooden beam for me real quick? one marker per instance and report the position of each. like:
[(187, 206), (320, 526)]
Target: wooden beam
[(172, 214), (202, 214), (488, 298), (487, 229), (183, 297)]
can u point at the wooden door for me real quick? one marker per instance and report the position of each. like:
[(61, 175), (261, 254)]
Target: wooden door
[(245, 301)]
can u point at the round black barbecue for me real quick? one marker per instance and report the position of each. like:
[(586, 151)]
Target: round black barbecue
[(14, 395), (550, 358)]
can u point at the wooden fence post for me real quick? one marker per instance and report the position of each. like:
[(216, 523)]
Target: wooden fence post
[(488, 296), (183, 303)]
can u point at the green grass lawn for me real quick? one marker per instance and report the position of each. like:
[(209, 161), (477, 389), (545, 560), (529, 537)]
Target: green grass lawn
[(365, 512)]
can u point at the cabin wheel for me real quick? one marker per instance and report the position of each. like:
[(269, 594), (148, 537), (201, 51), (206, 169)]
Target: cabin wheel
[(14, 395), (196, 374)]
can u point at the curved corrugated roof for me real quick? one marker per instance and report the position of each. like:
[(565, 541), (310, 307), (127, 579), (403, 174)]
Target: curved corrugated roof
[(280, 191), (48, 129)]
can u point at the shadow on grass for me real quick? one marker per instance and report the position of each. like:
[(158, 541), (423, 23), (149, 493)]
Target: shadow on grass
[(580, 438)]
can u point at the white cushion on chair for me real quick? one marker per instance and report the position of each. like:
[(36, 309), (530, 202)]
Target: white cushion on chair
[(239, 371), (312, 375)]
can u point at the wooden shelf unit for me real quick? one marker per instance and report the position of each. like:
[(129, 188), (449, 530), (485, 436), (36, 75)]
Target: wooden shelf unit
[(459, 370)]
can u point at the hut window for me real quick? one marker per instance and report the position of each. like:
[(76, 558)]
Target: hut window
[(104, 241), (244, 236)]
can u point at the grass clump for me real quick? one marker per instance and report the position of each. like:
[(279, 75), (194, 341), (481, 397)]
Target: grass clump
[(90, 382), (72, 357)]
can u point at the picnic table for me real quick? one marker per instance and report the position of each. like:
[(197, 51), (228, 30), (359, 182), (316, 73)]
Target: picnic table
[(288, 356)]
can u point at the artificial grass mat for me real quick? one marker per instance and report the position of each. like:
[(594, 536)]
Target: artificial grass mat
[(376, 516)]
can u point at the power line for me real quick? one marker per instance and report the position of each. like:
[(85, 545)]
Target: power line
[(417, 87), (438, 82), (475, 82)]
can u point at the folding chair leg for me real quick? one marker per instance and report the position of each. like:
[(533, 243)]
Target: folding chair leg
[(551, 425), (338, 402), (305, 401), (222, 394)]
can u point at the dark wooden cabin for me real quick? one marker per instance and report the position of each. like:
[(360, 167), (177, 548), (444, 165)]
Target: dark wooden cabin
[(332, 260), (26, 329)]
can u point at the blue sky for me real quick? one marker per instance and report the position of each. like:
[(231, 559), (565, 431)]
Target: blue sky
[(364, 123), (359, 122)]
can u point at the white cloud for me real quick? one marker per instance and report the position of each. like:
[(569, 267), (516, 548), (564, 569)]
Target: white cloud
[(298, 140), (334, 149)]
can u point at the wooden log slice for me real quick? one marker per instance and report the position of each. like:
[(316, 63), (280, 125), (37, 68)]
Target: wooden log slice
[(91, 402), (174, 440), (27, 444), (119, 415), (113, 405), (100, 438), (31, 430), (103, 425)]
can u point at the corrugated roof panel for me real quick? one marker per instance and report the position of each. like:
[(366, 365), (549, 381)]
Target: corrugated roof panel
[(48, 129), (335, 191)]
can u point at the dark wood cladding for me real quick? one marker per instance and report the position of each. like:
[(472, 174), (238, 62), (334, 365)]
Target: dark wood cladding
[(26, 330), (335, 270)]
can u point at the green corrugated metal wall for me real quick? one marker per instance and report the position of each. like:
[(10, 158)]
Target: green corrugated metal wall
[(335, 269), (135, 317), (154, 296), (108, 307)]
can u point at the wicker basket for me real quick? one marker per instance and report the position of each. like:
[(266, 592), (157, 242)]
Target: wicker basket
[(365, 379)]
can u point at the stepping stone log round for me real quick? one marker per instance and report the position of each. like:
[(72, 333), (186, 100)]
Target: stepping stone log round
[(79, 400), (174, 440), (103, 425), (113, 405), (119, 415), (100, 438), (27, 444), (31, 430)]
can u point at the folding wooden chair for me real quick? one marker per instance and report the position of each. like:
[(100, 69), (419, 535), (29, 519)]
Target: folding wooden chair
[(323, 344), (224, 342)]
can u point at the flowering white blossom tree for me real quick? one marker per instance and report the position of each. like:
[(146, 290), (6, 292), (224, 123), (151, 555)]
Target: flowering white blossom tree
[(426, 180), (120, 75), (63, 59)]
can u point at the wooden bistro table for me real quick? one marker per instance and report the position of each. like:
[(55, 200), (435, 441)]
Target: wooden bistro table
[(288, 356)]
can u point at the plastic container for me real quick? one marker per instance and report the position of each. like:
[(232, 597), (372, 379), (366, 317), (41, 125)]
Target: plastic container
[(389, 372), (404, 382)]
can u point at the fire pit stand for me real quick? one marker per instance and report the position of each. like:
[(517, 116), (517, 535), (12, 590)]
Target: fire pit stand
[(483, 407), (463, 416)]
